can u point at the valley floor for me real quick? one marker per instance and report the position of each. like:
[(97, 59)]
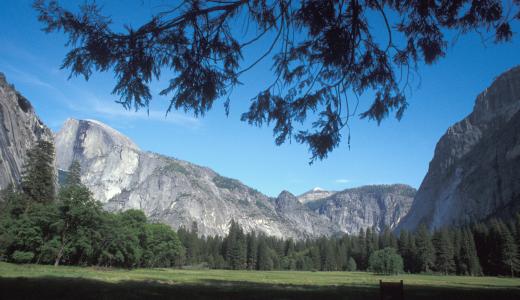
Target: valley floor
[(64, 282)]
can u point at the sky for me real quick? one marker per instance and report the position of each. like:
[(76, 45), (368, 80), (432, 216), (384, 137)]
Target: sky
[(394, 152)]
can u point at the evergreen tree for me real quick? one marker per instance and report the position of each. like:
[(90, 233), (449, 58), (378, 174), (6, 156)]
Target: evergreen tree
[(328, 261), (235, 247), (78, 213), (406, 250), (508, 252), (351, 265), (264, 261), (74, 174), (484, 247), (252, 248), (425, 255), (444, 253), (38, 179), (468, 260), (360, 250)]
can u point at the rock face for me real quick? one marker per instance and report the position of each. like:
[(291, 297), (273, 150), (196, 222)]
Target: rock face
[(174, 191), (475, 171), (178, 192), (20, 128), (314, 194), (300, 216), (373, 206)]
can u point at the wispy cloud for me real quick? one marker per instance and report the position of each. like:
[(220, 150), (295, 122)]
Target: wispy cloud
[(342, 181), (85, 102), (114, 111)]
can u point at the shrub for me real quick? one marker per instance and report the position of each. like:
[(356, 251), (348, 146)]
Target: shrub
[(385, 261), (351, 265), (22, 257)]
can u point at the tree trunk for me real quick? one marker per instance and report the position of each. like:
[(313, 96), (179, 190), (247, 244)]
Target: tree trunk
[(60, 254)]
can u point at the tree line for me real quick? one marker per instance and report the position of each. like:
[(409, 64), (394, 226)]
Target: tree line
[(41, 225)]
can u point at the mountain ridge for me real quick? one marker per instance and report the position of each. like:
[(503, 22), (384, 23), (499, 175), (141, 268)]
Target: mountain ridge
[(179, 192)]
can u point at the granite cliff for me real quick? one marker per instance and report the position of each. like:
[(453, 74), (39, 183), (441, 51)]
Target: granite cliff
[(20, 128), (373, 206), (474, 173), (174, 191)]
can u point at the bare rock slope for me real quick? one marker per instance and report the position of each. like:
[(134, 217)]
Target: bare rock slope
[(174, 191), (372, 206), (178, 192), (475, 171), (20, 128)]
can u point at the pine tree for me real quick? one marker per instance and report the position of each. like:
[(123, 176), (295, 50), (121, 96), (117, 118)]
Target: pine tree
[(38, 178), (444, 253), (508, 253), (264, 261), (468, 260), (360, 250), (351, 265), (79, 213), (327, 255), (236, 247), (425, 252), (252, 248), (74, 174), (405, 249), (483, 246), (191, 243)]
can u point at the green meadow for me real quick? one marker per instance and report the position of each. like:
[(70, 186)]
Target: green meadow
[(64, 282)]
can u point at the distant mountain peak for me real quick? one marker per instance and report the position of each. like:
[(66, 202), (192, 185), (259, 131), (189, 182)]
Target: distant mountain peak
[(177, 192), (318, 189)]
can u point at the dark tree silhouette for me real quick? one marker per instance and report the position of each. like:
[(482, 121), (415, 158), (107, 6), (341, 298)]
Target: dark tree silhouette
[(325, 54)]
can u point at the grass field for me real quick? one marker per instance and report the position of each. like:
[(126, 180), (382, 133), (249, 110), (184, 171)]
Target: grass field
[(48, 282)]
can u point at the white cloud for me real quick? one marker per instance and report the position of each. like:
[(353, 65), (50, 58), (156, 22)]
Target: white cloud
[(112, 110), (92, 105), (342, 181)]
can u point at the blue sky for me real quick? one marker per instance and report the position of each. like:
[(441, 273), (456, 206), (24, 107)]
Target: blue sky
[(395, 152)]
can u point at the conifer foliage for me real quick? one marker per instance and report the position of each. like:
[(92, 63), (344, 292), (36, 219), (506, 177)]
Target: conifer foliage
[(38, 179)]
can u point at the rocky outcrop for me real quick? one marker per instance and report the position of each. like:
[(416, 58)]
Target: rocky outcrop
[(174, 191), (474, 173), (373, 206), (301, 217), (20, 128), (314, 194)]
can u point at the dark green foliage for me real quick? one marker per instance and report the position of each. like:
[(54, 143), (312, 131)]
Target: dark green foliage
[(351, 265), (74, 174), (252, 251), (386, 261), (22, 257), (38, 181), (444, 252), (79, 216), (235, 247), (508, 253), (424, 253), (226, 183), (468, 259), (163, 247), (264, 261), (321, 52), (191, 242)]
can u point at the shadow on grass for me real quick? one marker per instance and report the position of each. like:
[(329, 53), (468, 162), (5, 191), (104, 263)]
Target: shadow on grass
[(78, 288)]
